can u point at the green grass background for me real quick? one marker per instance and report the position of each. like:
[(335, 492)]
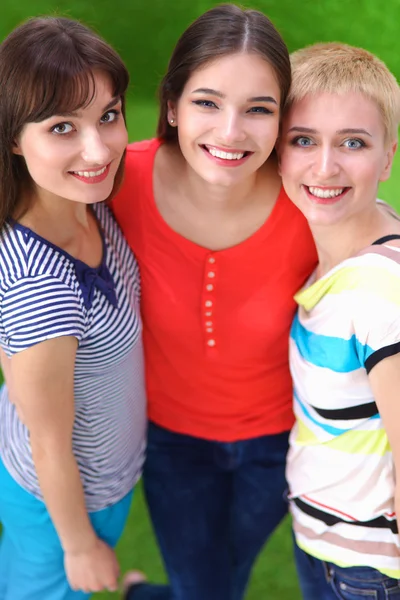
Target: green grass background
[(144, 33)]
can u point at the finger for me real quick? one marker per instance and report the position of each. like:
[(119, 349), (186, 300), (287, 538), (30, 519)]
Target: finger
[(112, 584)]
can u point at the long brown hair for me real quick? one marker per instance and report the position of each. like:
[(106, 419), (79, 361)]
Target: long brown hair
[(46, 68), (225, 29)]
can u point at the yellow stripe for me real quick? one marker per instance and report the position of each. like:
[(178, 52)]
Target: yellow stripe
[(350, 442), (305, 437), (395, 573), (362, 278), (361, 442)]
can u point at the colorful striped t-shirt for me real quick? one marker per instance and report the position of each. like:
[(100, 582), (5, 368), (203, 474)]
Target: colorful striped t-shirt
[(340, 466)]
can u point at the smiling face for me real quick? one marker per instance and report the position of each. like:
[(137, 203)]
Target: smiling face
[(333, 154), (76, 156), (228, 118)]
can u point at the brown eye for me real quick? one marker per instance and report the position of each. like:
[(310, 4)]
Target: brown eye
[(110, 116), (62, 128)]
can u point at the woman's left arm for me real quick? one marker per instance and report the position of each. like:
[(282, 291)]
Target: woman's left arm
[(384, 378)]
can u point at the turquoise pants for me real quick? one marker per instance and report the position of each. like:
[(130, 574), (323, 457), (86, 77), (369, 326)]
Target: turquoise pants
[(31, 556)]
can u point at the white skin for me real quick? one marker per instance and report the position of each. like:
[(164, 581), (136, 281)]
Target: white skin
[(230, 104), (42, 377), (338, 142)]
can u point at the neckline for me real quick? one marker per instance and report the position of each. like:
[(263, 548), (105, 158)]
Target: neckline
[(386, 238), (268, 224), (77, 261)]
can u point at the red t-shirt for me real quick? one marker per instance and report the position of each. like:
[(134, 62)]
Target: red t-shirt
[(216, 324)]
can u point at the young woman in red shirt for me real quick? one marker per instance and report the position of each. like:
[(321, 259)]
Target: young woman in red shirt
[(222, 251)]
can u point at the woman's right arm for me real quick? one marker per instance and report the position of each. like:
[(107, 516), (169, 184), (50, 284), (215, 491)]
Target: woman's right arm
[(43, 390)]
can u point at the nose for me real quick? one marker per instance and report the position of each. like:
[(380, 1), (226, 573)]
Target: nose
[(325, 163), (95, 151), (231, 128)]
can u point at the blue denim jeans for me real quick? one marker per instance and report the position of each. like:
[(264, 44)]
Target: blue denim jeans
[(320, 580), (213, 505)]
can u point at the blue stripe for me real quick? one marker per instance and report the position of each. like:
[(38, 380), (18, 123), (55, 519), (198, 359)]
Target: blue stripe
[(328, 428), (329, 352)]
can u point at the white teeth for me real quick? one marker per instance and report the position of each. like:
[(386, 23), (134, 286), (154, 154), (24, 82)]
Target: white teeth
[(90, 173), (225, 155), (325, 193)]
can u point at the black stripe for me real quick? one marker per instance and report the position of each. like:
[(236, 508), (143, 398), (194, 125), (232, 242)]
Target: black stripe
[(386, 238), (362, 411), (378, 523), (380, 355)]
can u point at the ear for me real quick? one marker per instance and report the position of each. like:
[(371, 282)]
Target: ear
[(171, 113), (16, 148), (387, 168)]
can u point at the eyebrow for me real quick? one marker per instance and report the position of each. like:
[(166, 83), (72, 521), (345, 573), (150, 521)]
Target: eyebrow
[(338, 132), (221, 95), (112, 103)]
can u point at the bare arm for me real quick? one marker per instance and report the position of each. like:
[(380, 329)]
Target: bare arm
[(385, 382), (43, 386)]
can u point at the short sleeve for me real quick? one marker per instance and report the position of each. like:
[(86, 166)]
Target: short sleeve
[(39, 308), (377, 320)]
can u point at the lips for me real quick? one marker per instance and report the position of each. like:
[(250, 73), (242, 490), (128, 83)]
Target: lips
[(326, 195), (225, 157), (92, 175)]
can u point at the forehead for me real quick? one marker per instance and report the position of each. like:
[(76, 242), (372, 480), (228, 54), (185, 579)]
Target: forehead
[(327, 112), (242, 70)]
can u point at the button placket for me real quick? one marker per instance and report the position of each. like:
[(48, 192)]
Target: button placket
[(209, 283)]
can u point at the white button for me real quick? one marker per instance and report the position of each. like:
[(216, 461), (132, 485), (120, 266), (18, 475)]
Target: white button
[(209, 287), (209, 323), (208, 313), (211, 274), (211, 260), (211, 343), (209, 330), (342, 586), (208, 303)]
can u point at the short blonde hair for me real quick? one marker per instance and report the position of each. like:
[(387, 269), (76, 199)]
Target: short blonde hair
[(339, 69)]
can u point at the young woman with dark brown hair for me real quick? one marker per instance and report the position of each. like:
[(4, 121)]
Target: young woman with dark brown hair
[(72, 438), (222, 251)]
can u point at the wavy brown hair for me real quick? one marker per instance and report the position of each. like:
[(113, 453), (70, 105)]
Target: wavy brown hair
[(47, 67), (223, 30)]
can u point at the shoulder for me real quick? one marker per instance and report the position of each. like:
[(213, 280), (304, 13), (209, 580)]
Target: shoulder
[(140, 154), (25, 255), (375, 269), (138, 170)]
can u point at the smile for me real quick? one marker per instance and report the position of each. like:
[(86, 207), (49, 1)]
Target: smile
[(227, 157), (326, 195), (92, 176), (90, 173)]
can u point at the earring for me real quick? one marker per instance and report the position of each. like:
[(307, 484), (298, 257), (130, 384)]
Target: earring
[(172, 121)]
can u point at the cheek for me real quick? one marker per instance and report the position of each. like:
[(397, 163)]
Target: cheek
[(267, 133), (291, 164), (118, 137)]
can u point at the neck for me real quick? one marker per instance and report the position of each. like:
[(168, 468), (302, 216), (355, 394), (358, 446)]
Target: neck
[(56, 218), (335, 243), (211, 198)]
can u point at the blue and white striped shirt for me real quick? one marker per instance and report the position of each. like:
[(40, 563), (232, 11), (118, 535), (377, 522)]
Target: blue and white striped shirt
[(46, 293)]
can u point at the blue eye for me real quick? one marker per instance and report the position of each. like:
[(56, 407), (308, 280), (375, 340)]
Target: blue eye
[(62, 128), (205, 103), (354, 144), (302, 141), (262, 110), (110, 116)]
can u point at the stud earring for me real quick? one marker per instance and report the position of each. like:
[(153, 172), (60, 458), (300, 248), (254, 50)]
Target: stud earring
[(172, 121)]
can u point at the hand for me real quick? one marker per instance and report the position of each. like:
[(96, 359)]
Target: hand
[(94, 570)]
